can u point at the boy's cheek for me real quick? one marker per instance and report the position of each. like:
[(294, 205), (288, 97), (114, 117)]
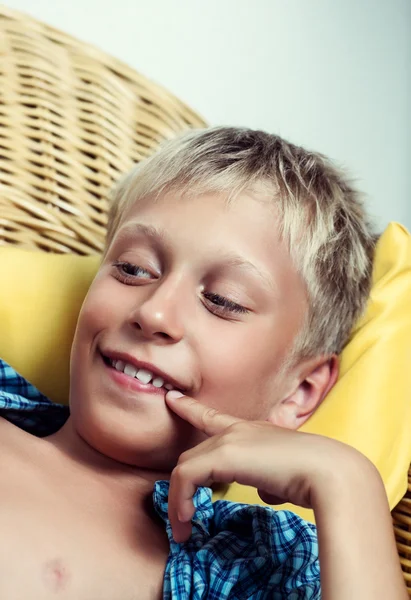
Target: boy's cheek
[(98, 310)]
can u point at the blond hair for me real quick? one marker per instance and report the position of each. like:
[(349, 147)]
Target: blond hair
[(321, 215)]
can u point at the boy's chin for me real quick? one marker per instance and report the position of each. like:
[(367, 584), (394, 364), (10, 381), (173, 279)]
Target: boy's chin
[(153, 448)]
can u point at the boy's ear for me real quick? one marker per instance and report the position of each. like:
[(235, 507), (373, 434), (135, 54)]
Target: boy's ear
[(316, 380)]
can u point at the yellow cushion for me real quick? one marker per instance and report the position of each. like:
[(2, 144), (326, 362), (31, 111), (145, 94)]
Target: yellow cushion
[(40, 299), (369, 408)]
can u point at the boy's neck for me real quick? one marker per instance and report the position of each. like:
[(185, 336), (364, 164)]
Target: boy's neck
[(119, 480)]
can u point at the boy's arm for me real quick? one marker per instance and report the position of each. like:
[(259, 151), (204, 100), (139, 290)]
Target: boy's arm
[(358, 555)]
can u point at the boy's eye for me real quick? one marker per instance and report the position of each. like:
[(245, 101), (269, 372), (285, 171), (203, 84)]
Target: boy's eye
[(128, 273), (220, 304)]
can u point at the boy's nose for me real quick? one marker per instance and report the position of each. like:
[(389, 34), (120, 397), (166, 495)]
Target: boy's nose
[(160, 315)]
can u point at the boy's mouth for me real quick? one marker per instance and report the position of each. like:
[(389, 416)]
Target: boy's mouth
[(143, 374)]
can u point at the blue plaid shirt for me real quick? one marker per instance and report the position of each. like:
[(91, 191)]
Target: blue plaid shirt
[(236, 551)]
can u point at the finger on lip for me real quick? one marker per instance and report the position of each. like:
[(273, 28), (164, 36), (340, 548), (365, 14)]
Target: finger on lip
[(186, 407), (205, 418), (173, 395)]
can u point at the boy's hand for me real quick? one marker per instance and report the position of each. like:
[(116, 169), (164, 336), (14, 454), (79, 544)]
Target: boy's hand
[(339, 483), (284, 465)]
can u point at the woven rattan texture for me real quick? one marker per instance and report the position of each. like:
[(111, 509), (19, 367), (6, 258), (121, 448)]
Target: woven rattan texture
[(72, 119), (402, 528)]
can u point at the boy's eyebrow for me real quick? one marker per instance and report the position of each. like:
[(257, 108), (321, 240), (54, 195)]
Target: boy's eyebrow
[(236, 261), (228, 259), (157, 235)]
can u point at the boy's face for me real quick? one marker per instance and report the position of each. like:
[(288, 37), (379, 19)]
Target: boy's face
[(195, 289)]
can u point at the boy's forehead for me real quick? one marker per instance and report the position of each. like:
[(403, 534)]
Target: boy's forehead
[(228, 202), (245, 214)]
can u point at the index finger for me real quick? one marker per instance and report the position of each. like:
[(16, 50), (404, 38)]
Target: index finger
[(206, 419)]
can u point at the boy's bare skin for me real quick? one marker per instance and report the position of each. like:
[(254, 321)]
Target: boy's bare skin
[(70, 532), (76, 519)]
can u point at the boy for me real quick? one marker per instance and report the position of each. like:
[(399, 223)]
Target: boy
[(235, 266)]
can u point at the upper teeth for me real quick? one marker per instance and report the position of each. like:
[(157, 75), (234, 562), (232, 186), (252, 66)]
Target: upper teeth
[(142, 375)]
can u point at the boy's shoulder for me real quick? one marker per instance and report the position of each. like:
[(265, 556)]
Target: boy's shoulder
[(23, 457), (15, 443)]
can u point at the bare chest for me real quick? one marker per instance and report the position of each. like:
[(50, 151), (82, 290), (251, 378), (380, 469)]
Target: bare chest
[(51, 549)]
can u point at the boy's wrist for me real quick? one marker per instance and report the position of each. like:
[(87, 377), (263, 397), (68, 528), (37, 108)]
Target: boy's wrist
[(347, 477)]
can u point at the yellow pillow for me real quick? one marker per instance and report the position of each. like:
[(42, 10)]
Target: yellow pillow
[(40, 299), (369, 408)]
